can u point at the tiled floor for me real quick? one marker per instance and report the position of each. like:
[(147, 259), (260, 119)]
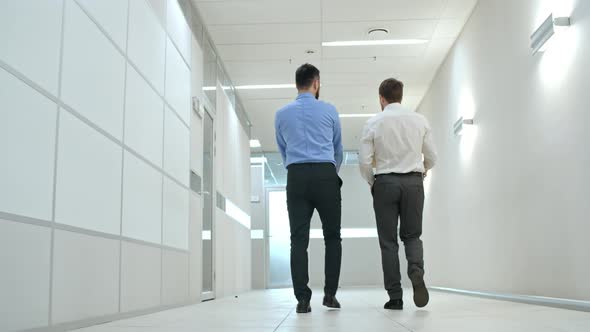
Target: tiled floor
[(272, 310)]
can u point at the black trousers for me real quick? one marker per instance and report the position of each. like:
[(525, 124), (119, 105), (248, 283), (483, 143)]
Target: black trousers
[(399, 196), (314, 187)]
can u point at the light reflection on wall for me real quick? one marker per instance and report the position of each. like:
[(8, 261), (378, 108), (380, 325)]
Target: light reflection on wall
[(555, 62), (467, 110)]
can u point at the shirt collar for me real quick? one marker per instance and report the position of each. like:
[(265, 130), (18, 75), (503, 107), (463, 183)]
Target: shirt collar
[(305, 95), (394, 107)]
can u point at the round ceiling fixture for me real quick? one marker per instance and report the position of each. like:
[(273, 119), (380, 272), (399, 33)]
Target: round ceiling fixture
[(377, 32), (310, 52)]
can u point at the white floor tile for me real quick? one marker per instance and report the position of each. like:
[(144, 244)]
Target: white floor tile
[(273, 310)]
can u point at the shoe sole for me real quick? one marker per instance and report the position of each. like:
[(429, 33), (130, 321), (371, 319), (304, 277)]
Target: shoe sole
[(394, 308), (421, 296), (331, 307), (304, 311)]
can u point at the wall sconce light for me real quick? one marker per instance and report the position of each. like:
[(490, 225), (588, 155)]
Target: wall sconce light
[(458, 126), (541, 37)]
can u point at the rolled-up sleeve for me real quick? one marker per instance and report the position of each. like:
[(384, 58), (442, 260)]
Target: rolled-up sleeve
[(367, 153), (337, 141), (282, 145), (428, 149)]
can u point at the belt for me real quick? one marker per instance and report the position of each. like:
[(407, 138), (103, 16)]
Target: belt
[(311, 165), (400, 174)]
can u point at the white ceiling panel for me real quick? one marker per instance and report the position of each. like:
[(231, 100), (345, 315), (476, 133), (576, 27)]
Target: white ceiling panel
[(279, 33), (448, 28), (259, 11), (251, 52), (381, 10), (459, 9), (398, 29), (374, 51)]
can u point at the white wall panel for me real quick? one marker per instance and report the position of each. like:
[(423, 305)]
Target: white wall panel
[(27, 142), (112, 17), (28, 29), (142, 200), (140, 276), (175, 277), (93, 77), (196, 68), (159, 8), (176, 148), (85, 277), (178, 83), (88, 178), (144, 118), (147, 42), (176, 215), (179, 30), (24, 281)]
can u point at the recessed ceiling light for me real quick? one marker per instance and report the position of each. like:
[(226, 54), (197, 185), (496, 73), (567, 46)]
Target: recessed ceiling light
[(378, 32), (254, 143), (375, 42), (363, 115)]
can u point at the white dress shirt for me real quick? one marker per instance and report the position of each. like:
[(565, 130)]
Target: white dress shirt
[(396, 141)]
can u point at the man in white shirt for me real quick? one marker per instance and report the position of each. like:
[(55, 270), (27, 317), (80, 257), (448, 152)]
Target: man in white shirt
[(398, 143)]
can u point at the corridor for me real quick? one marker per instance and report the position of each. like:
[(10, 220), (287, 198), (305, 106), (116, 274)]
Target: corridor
[(189, 165), (272, 310)]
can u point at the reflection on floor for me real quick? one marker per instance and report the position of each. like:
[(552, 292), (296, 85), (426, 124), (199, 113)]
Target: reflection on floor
[(272, 310)]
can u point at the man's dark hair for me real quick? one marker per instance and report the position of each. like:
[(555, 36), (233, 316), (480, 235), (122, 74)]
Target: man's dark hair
[(305, 75), (392, 90)]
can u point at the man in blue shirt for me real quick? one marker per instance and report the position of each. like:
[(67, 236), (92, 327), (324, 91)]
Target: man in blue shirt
[(309, 138)]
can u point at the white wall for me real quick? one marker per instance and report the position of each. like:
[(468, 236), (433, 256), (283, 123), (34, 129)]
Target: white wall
[(96, 219), (232, 237), (506, 209)]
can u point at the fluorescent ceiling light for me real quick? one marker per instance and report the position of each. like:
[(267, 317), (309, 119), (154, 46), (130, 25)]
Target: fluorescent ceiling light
[(376, 42), (253, 87), (265, 86), (540, 39), (363, 115), (254, 143)]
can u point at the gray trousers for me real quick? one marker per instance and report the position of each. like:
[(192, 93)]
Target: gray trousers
[(399, 196)]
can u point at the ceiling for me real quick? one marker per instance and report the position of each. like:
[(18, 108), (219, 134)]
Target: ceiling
[(264, 41)]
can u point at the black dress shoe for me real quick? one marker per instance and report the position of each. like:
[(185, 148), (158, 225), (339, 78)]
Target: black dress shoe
[(394, 305), (331, 302), (303, 307), (421, 296)]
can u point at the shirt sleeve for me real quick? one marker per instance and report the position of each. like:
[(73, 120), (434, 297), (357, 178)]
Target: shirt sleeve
[(428, 149), (337, 140), (367, 154), (280, 140)]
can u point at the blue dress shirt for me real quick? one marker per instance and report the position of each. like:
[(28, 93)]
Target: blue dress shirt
[(308, 131)]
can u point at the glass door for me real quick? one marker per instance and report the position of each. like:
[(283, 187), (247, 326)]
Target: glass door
[(208, 209), (279, 242)]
